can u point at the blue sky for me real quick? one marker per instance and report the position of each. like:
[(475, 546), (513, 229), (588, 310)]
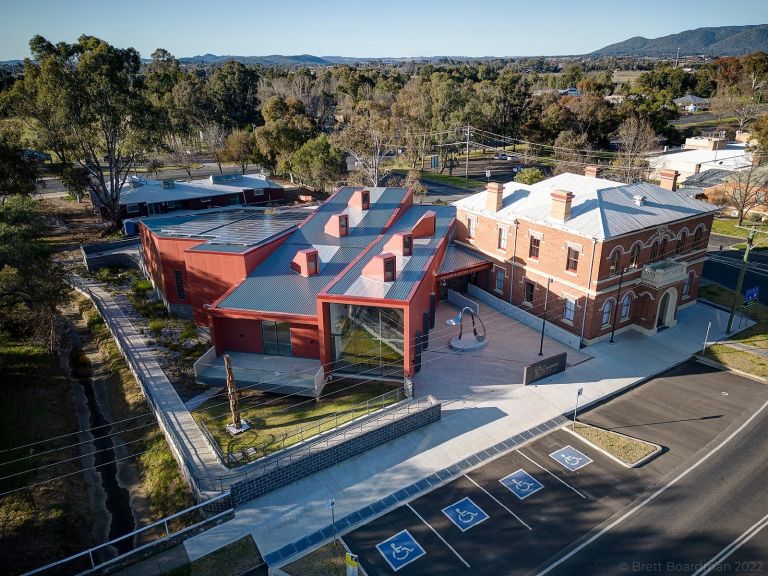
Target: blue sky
[(363, 28)]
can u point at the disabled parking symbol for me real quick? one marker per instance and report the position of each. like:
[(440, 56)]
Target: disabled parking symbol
[(400, 550), (521, 484), (465, 514), (570, 458)]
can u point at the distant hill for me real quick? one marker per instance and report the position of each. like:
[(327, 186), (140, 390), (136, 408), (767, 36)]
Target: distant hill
[(720, 41)]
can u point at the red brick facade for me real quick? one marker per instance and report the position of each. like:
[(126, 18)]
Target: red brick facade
[(530, 253)]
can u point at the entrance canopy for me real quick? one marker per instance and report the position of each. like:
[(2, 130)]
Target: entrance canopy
[(460, 261)]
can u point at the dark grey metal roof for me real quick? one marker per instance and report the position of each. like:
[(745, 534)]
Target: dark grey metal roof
[(413, 272), (460, 258), (227, 230), (707, 178)]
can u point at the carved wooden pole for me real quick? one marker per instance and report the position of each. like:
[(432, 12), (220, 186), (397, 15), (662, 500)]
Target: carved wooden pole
[(232, 392)]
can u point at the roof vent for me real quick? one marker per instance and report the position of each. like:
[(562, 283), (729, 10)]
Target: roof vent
[(639, 199), (305, 262), (425, 227), (381, 267), (401, 243), (337, 225), (361, 199)]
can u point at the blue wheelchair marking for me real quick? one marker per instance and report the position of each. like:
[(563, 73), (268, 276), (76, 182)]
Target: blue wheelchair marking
[(400, 550), (570, 458), (465, 514), (521, 484)]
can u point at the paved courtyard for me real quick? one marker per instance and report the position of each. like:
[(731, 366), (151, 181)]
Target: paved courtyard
[(450, 375)]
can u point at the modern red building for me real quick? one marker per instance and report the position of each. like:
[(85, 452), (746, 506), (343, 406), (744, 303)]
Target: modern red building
[(193, 259)]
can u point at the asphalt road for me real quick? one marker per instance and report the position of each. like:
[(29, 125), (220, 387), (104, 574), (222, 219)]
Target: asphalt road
[(683, 507), (723, 268)]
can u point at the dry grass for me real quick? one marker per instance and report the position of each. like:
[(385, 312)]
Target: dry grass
[(756, 335), (627, 449), (231, 560), (325, 561), (738, 359)]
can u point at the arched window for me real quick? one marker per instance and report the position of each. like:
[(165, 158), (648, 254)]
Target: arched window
[(697, 238), (687, 284), (654, 251), (607, 309), (681, 243), (625, 302), (663, 250), (634, 256), (615, 261)]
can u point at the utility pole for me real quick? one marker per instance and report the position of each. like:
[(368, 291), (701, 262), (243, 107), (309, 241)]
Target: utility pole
[(544, 318), (466, 162), (740, 281)]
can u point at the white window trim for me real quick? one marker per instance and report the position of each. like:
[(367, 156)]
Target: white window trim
[(496, 270)]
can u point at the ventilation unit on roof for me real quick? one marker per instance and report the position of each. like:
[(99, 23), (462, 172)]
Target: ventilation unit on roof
[(382, 267), (639, 199), (361, 199), (168, 184)]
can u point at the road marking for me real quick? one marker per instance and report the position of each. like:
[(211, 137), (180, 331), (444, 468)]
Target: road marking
[(492, 497), (656, 494), (452, 549), (551, 474), (732, 547)]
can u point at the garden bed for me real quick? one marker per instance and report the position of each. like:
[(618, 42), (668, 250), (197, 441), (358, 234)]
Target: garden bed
[(625, 449), (328, 560)]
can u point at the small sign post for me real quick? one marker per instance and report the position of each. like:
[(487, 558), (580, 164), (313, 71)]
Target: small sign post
[(330, 505), (352, 564), (578, 393), (488, 174)]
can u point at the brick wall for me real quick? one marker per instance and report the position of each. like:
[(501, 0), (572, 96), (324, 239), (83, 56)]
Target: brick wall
[(314, 461)]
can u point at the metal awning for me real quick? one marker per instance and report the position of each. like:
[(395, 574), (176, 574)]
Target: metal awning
[(459, 261)]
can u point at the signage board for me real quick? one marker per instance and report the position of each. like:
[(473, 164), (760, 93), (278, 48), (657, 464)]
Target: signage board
[(543, 368)]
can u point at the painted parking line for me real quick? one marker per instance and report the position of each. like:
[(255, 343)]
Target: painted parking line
[(723, 555), (465, 514), (400, 550), (451, 548), (556, 477), (521, 484), (492, 497), (570, 458)]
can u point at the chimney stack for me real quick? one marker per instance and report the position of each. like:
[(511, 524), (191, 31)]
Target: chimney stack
[(669, 179), (590, 171), (561, 205), (494, 196)]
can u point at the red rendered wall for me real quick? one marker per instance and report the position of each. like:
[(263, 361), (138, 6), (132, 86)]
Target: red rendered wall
[(236, 335)]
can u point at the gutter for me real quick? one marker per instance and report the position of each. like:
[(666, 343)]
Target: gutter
[(586, 292)]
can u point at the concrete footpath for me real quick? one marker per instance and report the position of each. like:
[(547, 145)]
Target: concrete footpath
[(280, 521), (200, 458)]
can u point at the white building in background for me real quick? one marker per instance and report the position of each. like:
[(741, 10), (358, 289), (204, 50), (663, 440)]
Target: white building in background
[(700, 154)]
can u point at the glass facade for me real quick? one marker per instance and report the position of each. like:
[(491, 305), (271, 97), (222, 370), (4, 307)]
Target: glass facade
[(276, 338), (367, 339)]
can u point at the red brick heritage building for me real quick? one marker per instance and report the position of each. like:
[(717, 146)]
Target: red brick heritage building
[(578, 233)]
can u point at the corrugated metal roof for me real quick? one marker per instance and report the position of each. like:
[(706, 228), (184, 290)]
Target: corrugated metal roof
[(151, 191), (413, 271), (707, 178), (275, 287), (230, 230), (460, 258), (601, 208)]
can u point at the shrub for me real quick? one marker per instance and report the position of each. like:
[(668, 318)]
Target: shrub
[(189, 332), (156, 325), (756, 216), (141, 287)]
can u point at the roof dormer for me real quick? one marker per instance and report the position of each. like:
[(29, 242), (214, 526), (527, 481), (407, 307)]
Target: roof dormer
[(401, 244), (425, 227), (381, 268), (337, 225), (306, 262), (361, 199)]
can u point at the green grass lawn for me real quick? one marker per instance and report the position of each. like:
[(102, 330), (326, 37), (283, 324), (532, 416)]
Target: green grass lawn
[(273, 418), (456, 181), (738, 359), (727, 227), (756, 335)]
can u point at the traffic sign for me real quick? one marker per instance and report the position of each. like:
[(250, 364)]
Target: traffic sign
[(488, 173), (752, 294), (570, 458), (465, 514), (521, 484), (330, 504), (400, 550)]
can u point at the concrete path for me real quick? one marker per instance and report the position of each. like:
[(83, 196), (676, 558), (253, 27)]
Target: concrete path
[(469, 425), (201, 459), (746, 348)]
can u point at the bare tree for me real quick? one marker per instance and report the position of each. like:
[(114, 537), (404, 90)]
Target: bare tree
[(745, 190), (636, 140), (745, 109), (214, 136)]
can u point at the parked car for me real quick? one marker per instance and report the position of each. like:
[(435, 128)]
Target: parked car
[(502, 157)]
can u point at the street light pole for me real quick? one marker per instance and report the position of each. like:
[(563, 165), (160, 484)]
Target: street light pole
[(466, 162), (740, 281), (618, 300), (544, 318)]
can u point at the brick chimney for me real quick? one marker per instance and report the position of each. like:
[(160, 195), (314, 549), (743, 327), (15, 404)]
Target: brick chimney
[(561, 205), (361, 199), (669, 179), (337, 225), (381, 268), (494, 193), (590, 171), (305, 262)]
